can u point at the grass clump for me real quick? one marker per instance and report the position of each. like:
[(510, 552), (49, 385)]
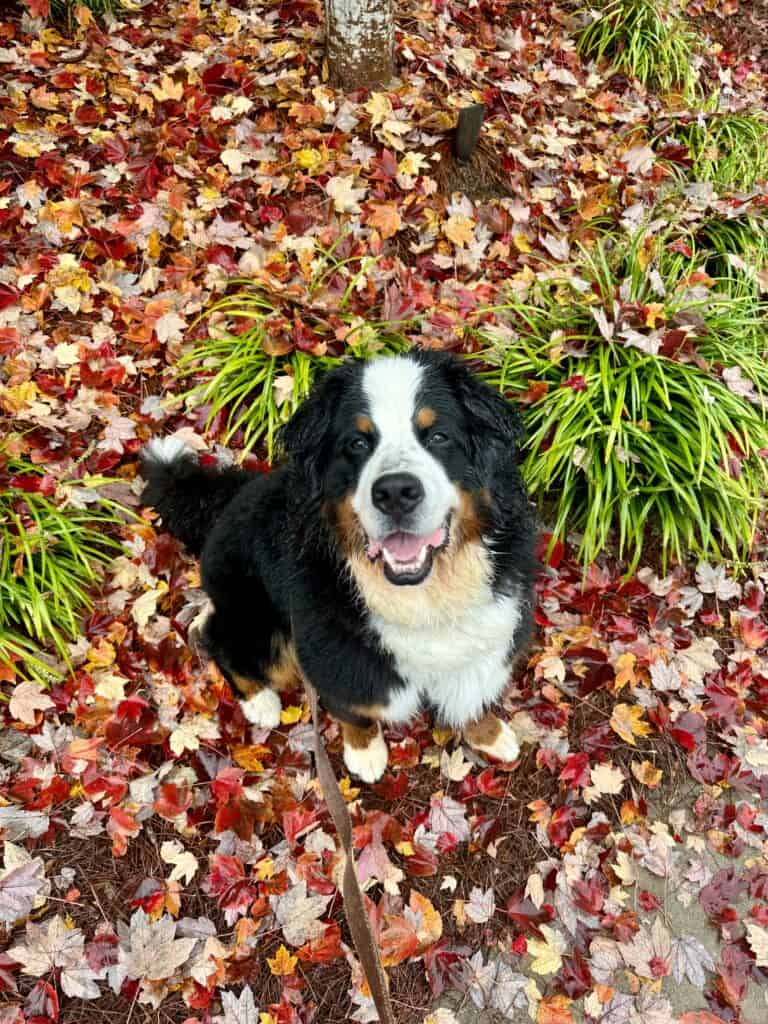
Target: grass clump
[(52, 554), (736, 251), (647, 388), (729, 150), (256, 376), (645, 40)]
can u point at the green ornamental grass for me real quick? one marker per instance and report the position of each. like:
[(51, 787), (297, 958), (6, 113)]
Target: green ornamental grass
[(642, 39), (253, 371), (649, 413), (730, 150), (52, 554)]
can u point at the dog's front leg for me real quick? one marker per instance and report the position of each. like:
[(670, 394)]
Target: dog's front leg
[(353, 681)]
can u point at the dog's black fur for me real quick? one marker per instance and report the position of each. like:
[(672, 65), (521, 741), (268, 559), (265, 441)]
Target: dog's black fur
[(274, 555)]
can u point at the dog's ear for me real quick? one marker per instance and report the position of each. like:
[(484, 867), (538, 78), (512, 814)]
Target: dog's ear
[(500, 422), (304, 438)]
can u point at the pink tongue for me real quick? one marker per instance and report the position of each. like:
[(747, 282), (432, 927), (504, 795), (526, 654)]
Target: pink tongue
[(404, 547)]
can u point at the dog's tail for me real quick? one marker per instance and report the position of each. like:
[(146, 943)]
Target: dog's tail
[(189, 496)]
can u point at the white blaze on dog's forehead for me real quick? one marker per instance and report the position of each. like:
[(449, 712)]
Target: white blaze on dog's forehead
[(391, 387)]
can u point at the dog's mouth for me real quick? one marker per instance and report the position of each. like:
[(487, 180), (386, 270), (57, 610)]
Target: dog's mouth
[(407, 557)]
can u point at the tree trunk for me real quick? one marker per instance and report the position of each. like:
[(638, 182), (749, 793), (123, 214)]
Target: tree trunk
[(359, 41)]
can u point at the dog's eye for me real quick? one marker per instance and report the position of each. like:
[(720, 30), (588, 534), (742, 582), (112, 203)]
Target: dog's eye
[(437, 438), (359, 444)]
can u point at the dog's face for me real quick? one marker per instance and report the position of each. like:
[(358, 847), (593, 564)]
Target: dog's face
[(404, 451)]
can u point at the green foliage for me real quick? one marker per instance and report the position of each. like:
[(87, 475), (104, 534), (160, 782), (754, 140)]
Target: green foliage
[(51, 555), (729, 150), (64, 10), (644, 40), (736, 251), (257, 377), (638, 426)]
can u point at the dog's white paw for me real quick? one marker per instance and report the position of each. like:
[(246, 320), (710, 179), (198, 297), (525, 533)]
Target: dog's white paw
[(263, 709), (367, 763), (504, 748)]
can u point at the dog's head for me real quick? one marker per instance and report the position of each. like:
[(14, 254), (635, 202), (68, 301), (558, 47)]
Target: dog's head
[(406, 454)]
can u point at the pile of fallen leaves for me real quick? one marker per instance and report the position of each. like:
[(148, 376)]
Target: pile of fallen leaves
[(162, 859)]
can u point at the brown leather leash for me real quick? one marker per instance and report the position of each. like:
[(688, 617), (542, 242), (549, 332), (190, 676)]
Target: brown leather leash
[(352, 894)]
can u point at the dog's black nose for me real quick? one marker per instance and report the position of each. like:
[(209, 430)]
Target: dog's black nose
[(397, 493)]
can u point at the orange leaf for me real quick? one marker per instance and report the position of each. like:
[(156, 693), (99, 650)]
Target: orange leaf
[(385, 217), (249, 757), (426, 920), (397, 941), (647, 774), (554, 1011), (283, 963), (625, 670), (323, 949)]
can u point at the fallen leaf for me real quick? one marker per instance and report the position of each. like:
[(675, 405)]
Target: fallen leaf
[(26, 699), (757, 938), (548, 954), (153, 953), (298, 914), (185, 864), (627, 721), (283, 963)]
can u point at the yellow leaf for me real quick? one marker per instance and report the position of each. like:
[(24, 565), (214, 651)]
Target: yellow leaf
[(348, 791), (167, 89), (26, 148), (282, 963), (441, 736), (265, 869), (626, 721), (625, 671), (379, 107), (385, 217), (655, 314), (14, 399), (547, 955), (250, 757), (267, 1018), (459, 229), (308, 159), (646, 774), (290, 715), (521, 243), (405, 849)]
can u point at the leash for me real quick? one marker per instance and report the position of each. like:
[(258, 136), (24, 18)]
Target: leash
[(352, 894)]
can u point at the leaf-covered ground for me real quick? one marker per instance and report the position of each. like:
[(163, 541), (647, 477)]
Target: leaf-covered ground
[(164, 861)]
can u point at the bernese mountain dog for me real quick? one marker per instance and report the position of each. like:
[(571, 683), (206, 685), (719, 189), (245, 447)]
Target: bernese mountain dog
[(389, 558)]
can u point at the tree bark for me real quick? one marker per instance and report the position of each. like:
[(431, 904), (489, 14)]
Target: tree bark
[(359, 41)]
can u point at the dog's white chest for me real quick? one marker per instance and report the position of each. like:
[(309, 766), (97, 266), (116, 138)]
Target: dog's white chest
[(459, 665)]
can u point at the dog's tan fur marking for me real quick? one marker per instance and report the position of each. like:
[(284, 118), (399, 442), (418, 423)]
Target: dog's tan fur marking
[(425, 417), (284, 673), (246, 687), (483, 733), (357, 737), (373, 711), (459, 578), (364, 424)]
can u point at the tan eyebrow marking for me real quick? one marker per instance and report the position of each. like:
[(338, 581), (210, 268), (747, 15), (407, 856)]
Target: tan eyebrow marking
[(426, 417), (364, 424)]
